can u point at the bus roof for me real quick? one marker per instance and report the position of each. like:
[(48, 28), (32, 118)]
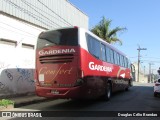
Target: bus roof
[(106, 43)]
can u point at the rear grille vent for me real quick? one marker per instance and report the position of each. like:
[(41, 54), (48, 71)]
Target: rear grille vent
[(65, 58)]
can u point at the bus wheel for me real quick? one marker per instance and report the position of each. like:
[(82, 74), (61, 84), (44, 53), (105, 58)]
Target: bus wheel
[(155, 94), (126, 89), (107, 95)]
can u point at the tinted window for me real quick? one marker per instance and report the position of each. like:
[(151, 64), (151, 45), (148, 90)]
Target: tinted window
[(58, 37), (108, 54), (121, 60), (93, 46), (115, 58), (103, 52), (112, 55), (126, 62), (129, 64), (118, 59)]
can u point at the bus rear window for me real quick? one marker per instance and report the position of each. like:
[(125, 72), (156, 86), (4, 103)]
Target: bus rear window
[(67, 37)]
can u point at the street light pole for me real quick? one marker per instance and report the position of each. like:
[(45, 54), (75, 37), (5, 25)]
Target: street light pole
[(139, 49)]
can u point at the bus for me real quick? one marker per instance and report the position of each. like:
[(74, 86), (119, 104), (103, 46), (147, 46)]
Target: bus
[(73, 63)]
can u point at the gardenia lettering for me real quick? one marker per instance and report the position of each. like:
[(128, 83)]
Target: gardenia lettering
[(50, 52), (93, 66)]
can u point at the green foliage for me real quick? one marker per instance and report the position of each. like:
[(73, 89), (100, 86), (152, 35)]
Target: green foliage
[(103, 31), (5, 102)]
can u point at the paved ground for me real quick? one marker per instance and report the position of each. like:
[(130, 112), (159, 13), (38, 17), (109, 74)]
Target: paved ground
[(32, 99), (138, 98)]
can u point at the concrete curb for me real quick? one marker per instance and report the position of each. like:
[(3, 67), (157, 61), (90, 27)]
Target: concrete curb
[(28, 100)]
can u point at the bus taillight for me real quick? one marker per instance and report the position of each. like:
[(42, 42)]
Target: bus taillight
[(36, 78), (80, 73), (80, 80)]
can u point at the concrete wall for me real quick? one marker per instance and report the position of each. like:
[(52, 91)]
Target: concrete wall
[(17, 56)]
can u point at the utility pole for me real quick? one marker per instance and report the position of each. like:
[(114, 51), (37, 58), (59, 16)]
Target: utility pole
[(153, 75), (144, 70), (150, 74), (139, 49)]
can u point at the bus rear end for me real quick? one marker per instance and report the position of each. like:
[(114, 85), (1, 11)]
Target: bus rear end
[(57, 64)]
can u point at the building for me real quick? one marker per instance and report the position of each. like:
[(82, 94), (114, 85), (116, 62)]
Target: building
[(20, 23), (143, 78), (48, 14)]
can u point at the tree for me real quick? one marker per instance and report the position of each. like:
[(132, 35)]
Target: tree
[(103, 31)]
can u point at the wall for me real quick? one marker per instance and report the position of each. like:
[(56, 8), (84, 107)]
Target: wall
[(49, 14), (17, 56), (18, 39)]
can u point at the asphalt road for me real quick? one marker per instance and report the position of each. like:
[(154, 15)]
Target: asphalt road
[(138, 98)]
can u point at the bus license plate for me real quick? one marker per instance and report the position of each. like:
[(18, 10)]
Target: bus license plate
[(54, 92)]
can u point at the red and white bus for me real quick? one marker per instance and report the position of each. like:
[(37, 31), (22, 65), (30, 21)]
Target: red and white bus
[(74, 63)]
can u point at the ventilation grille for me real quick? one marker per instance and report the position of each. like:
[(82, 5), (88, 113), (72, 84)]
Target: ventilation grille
[(65, 58)]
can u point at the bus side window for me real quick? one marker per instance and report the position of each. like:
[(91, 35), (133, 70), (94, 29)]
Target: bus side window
[(89, 43), (126, 62), (103, 50), (108, 58), (96, 49), (112, 56), (117, 58), (122, 61), (129, 63), (109, 55), (93, 46)]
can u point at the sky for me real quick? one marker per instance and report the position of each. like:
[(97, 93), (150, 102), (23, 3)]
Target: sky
[(140, 17)]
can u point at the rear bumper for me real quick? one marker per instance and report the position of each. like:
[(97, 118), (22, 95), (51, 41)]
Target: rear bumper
[(64, 93)]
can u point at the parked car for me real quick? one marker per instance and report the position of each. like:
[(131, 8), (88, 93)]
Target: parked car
[(157, 88)]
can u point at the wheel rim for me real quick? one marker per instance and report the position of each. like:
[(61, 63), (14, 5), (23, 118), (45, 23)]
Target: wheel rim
[(109, 92)]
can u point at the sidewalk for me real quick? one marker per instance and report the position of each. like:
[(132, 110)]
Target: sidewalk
[(28, 99), (142, 84)]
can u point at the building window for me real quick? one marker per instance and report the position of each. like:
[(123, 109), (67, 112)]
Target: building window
[(8, 42), (27, 46)]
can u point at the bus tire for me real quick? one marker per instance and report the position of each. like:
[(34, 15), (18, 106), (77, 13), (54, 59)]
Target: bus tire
[(129, 84), (126, 89), (155, 94), (108, 92)]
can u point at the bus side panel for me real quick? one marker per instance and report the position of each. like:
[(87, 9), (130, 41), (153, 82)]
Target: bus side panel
[(99, 72)]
